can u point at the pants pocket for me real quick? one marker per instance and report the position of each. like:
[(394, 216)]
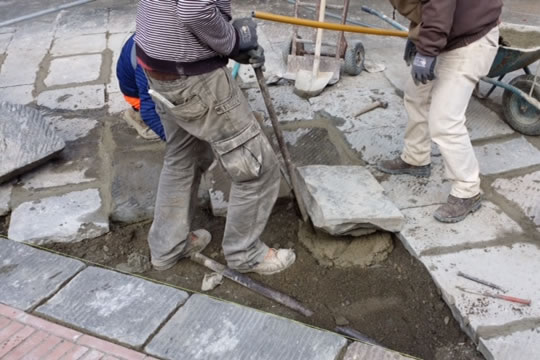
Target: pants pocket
[(242, 155)]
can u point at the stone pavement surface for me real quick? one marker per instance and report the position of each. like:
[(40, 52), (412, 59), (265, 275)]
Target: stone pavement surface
[(140, 317), (93, 180)]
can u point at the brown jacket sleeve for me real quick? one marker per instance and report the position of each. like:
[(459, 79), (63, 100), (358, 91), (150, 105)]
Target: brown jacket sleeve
[(437, 22), (412, 10)]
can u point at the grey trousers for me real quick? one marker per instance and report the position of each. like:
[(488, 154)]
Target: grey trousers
[(207, 116)]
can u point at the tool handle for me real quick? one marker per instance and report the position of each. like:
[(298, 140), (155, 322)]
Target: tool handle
[(514, 299)]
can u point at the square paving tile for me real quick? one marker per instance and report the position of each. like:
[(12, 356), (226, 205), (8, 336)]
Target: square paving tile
[(209, 329), (524, 191), (518, 345), (119, 307), (422, 232), (28, 276), (77, 98), (505, 156), (74, 70), (79, 44)]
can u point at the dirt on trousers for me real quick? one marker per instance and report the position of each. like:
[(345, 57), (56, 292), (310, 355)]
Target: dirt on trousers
[(395, 302)]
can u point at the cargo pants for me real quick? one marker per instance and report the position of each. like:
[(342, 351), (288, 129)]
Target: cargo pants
[(436, 110), (205, 117)]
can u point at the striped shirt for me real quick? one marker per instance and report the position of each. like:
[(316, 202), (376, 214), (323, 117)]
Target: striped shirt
[(184, 36)]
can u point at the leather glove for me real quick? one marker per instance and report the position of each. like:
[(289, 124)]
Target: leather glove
[(254, 57), (423, 68), (410, 52), (246, 29)]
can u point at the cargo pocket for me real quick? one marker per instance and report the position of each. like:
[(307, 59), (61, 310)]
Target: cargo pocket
[(190, 109), (233, 99), (242, 156)]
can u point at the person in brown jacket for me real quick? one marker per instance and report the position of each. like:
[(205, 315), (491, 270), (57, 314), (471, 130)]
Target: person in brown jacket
[(452, 44)]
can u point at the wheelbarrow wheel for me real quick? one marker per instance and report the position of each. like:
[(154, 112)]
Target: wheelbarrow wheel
[(519, 114), (354, 59)]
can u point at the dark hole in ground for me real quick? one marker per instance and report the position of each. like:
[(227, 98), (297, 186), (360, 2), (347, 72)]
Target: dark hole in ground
[(395, 302)]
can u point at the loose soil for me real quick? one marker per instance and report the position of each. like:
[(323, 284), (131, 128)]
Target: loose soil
[(394, 303)]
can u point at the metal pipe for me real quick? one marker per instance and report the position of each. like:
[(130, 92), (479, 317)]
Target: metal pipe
[(333, 15), (328, 26), (384, 18), (44, 12)]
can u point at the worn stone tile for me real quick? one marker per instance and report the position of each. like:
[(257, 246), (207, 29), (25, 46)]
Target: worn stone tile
[(422, 232), (484, 123), (79, 44), (5, 197), (29, 276), (82, 21), (28, 140), (513, 154), (524, 191), (377, 144), (134, 185), (513, 267), (361, 351), (71, 217), (5, 39), (17, 94), (76, 98), (410, 191), (115, 43), (523, 344), (21, 66), (341, 199), (289, 106), (82, 68), (122, 20), (116, 102), (119, 307), (58, 173), (72, 129), (205, 328)]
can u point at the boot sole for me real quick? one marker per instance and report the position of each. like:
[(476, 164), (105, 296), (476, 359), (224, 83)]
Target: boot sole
[(412, 172), (458, 218)]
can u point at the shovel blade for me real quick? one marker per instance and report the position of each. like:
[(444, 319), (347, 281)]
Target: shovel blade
[(308, 85)]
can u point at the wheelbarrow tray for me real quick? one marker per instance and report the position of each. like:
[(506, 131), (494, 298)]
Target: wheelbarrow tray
[(524, 49), (327, 64)]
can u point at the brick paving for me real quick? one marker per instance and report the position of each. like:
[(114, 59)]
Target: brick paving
[(27, 337)]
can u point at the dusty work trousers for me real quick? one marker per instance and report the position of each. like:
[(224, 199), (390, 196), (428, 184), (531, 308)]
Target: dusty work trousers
[(437, 110), (203, 116)]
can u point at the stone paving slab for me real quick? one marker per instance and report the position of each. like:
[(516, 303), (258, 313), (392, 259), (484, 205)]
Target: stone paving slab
[(20, 66), (116, 102), (71, 129), (70, 217), (410, 191), (119, 307), (81, 21), (361, 351), (28, 140), (82, 68), (288, 105), (5, 197), (205, 328), (122, 20), (5, 39), (509, 155), (81, 44), (514, 267), (29, 276), (341, 199), (56, 174), (21, 94), (524, 191), (78, 98), (519, 345), (115, 42), (484, 123), (422, 232)]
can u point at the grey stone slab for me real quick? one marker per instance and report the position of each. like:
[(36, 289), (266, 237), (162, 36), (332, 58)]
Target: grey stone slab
[(116, 101), (79, 44), (28, 276), (135, 183), (513, 267), (76, 98), (410, 191), (82, 68), (5, 197), (22, 62), (205, 328), (28, 140), (505, 156), (5, 39), (422, 232), (72, 129), (289, 106), (21, 94), (523, 344), (484, 123), (119, 307), (341, 199), (71, 217), (57, 174), (82, 21), (361, 351), (524, 191), (122, 20), (115, 42)]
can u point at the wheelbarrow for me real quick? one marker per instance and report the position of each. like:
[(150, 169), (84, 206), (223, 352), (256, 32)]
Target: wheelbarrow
[(521, 97)]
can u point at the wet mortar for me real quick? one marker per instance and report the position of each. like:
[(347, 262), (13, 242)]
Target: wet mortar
[(521, 39), (394, 302)]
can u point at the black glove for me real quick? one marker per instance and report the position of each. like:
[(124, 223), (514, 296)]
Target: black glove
[(254, 57), (423, 68), (410, 52), (247, 33)]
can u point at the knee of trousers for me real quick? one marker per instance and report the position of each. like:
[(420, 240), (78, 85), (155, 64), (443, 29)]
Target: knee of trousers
[(247, 156)]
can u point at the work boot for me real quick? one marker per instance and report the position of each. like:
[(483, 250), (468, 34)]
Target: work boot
[(399, 167), (197, 241), (457, 209), (274, 262), (133, 118)]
